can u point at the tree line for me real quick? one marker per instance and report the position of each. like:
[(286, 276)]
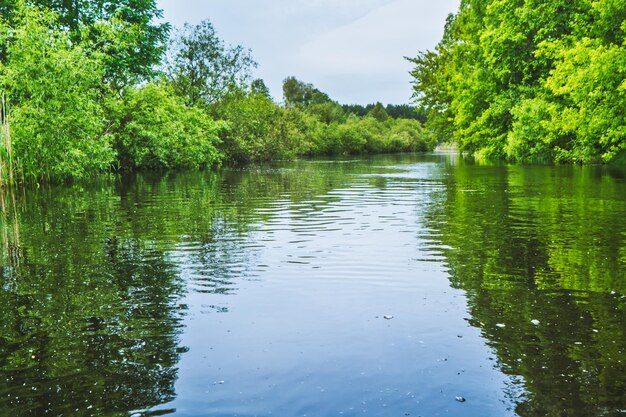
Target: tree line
[(529, 80), (91, 86), (396, 111)]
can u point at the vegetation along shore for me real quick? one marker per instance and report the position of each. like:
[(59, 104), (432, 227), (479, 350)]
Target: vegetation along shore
[(530, 80), (97, 86)]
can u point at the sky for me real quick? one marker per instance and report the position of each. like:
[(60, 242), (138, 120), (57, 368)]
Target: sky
[(353, 50)]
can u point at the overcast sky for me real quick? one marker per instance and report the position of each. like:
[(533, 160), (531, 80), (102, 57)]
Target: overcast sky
[(351, 49)]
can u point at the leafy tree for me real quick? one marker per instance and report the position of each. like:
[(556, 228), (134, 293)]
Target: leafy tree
[(299, 94), (154, 129), (258, 87), (407, 135), (306, 97), (260, 130), (53, 84), (327, 112), (123, 30), (204, 70), (378, 112), (528, 80)]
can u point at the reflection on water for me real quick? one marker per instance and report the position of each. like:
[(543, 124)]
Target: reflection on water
[(264, 292), (540, 253)]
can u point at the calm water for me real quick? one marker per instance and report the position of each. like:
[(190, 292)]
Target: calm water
[(379, 287)]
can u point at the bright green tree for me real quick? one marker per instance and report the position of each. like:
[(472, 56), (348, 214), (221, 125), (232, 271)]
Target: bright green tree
[(155, 129), (124, 30), (57, 120), (528, 80)]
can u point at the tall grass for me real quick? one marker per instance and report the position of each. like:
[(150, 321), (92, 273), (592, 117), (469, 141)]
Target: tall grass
[(10, 252), (7, 174)]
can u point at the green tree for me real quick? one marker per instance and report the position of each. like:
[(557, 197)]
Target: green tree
[(202, 68), (258, 86), (154, 129), (58, 124), (260, 130), (528, 80), (378, 112), (299, 94), (125, 31)]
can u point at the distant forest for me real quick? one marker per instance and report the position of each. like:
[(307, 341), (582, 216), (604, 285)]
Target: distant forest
[(396, 111)]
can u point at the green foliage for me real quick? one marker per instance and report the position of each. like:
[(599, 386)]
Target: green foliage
[(529, 136), (327, 112), (260, 130), (378, 112), (258, 86), (76, 76), (154, 129), (529, 80), (204, 70), (124, 31), (406, 135), (53, 85), (309, 124), (395, 111), (299, 94), (590, 79), (7, 161), (368, 135)]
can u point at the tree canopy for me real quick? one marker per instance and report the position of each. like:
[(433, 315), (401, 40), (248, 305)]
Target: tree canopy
[(202, 68), (124, 30), (301, 94), (529, 80)]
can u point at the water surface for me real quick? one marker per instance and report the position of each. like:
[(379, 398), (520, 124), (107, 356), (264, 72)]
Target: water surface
[(384, 286)]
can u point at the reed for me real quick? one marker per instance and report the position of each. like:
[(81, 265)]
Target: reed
[(7, 176), (10, 248)]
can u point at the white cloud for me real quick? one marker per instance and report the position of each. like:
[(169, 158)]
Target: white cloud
[(377, 42)]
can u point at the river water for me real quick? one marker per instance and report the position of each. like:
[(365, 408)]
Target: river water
[(416, 285)]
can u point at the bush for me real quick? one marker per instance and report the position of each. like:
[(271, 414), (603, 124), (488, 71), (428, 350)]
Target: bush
[(154, 129), (260, 130), (54, 87)]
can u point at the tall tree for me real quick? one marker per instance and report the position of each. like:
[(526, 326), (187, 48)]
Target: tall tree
[(300, 94), (529, 79), (125, 30), (378, 112), (202, 68)]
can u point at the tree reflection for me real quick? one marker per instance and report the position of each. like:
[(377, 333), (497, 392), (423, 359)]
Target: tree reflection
[(539, 252), (92, 275), (89, 323)]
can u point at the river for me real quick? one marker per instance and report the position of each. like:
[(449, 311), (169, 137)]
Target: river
[(411, 285)]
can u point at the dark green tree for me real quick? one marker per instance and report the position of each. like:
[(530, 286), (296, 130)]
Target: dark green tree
[(299, 94), (258, 87), (378, 112)]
